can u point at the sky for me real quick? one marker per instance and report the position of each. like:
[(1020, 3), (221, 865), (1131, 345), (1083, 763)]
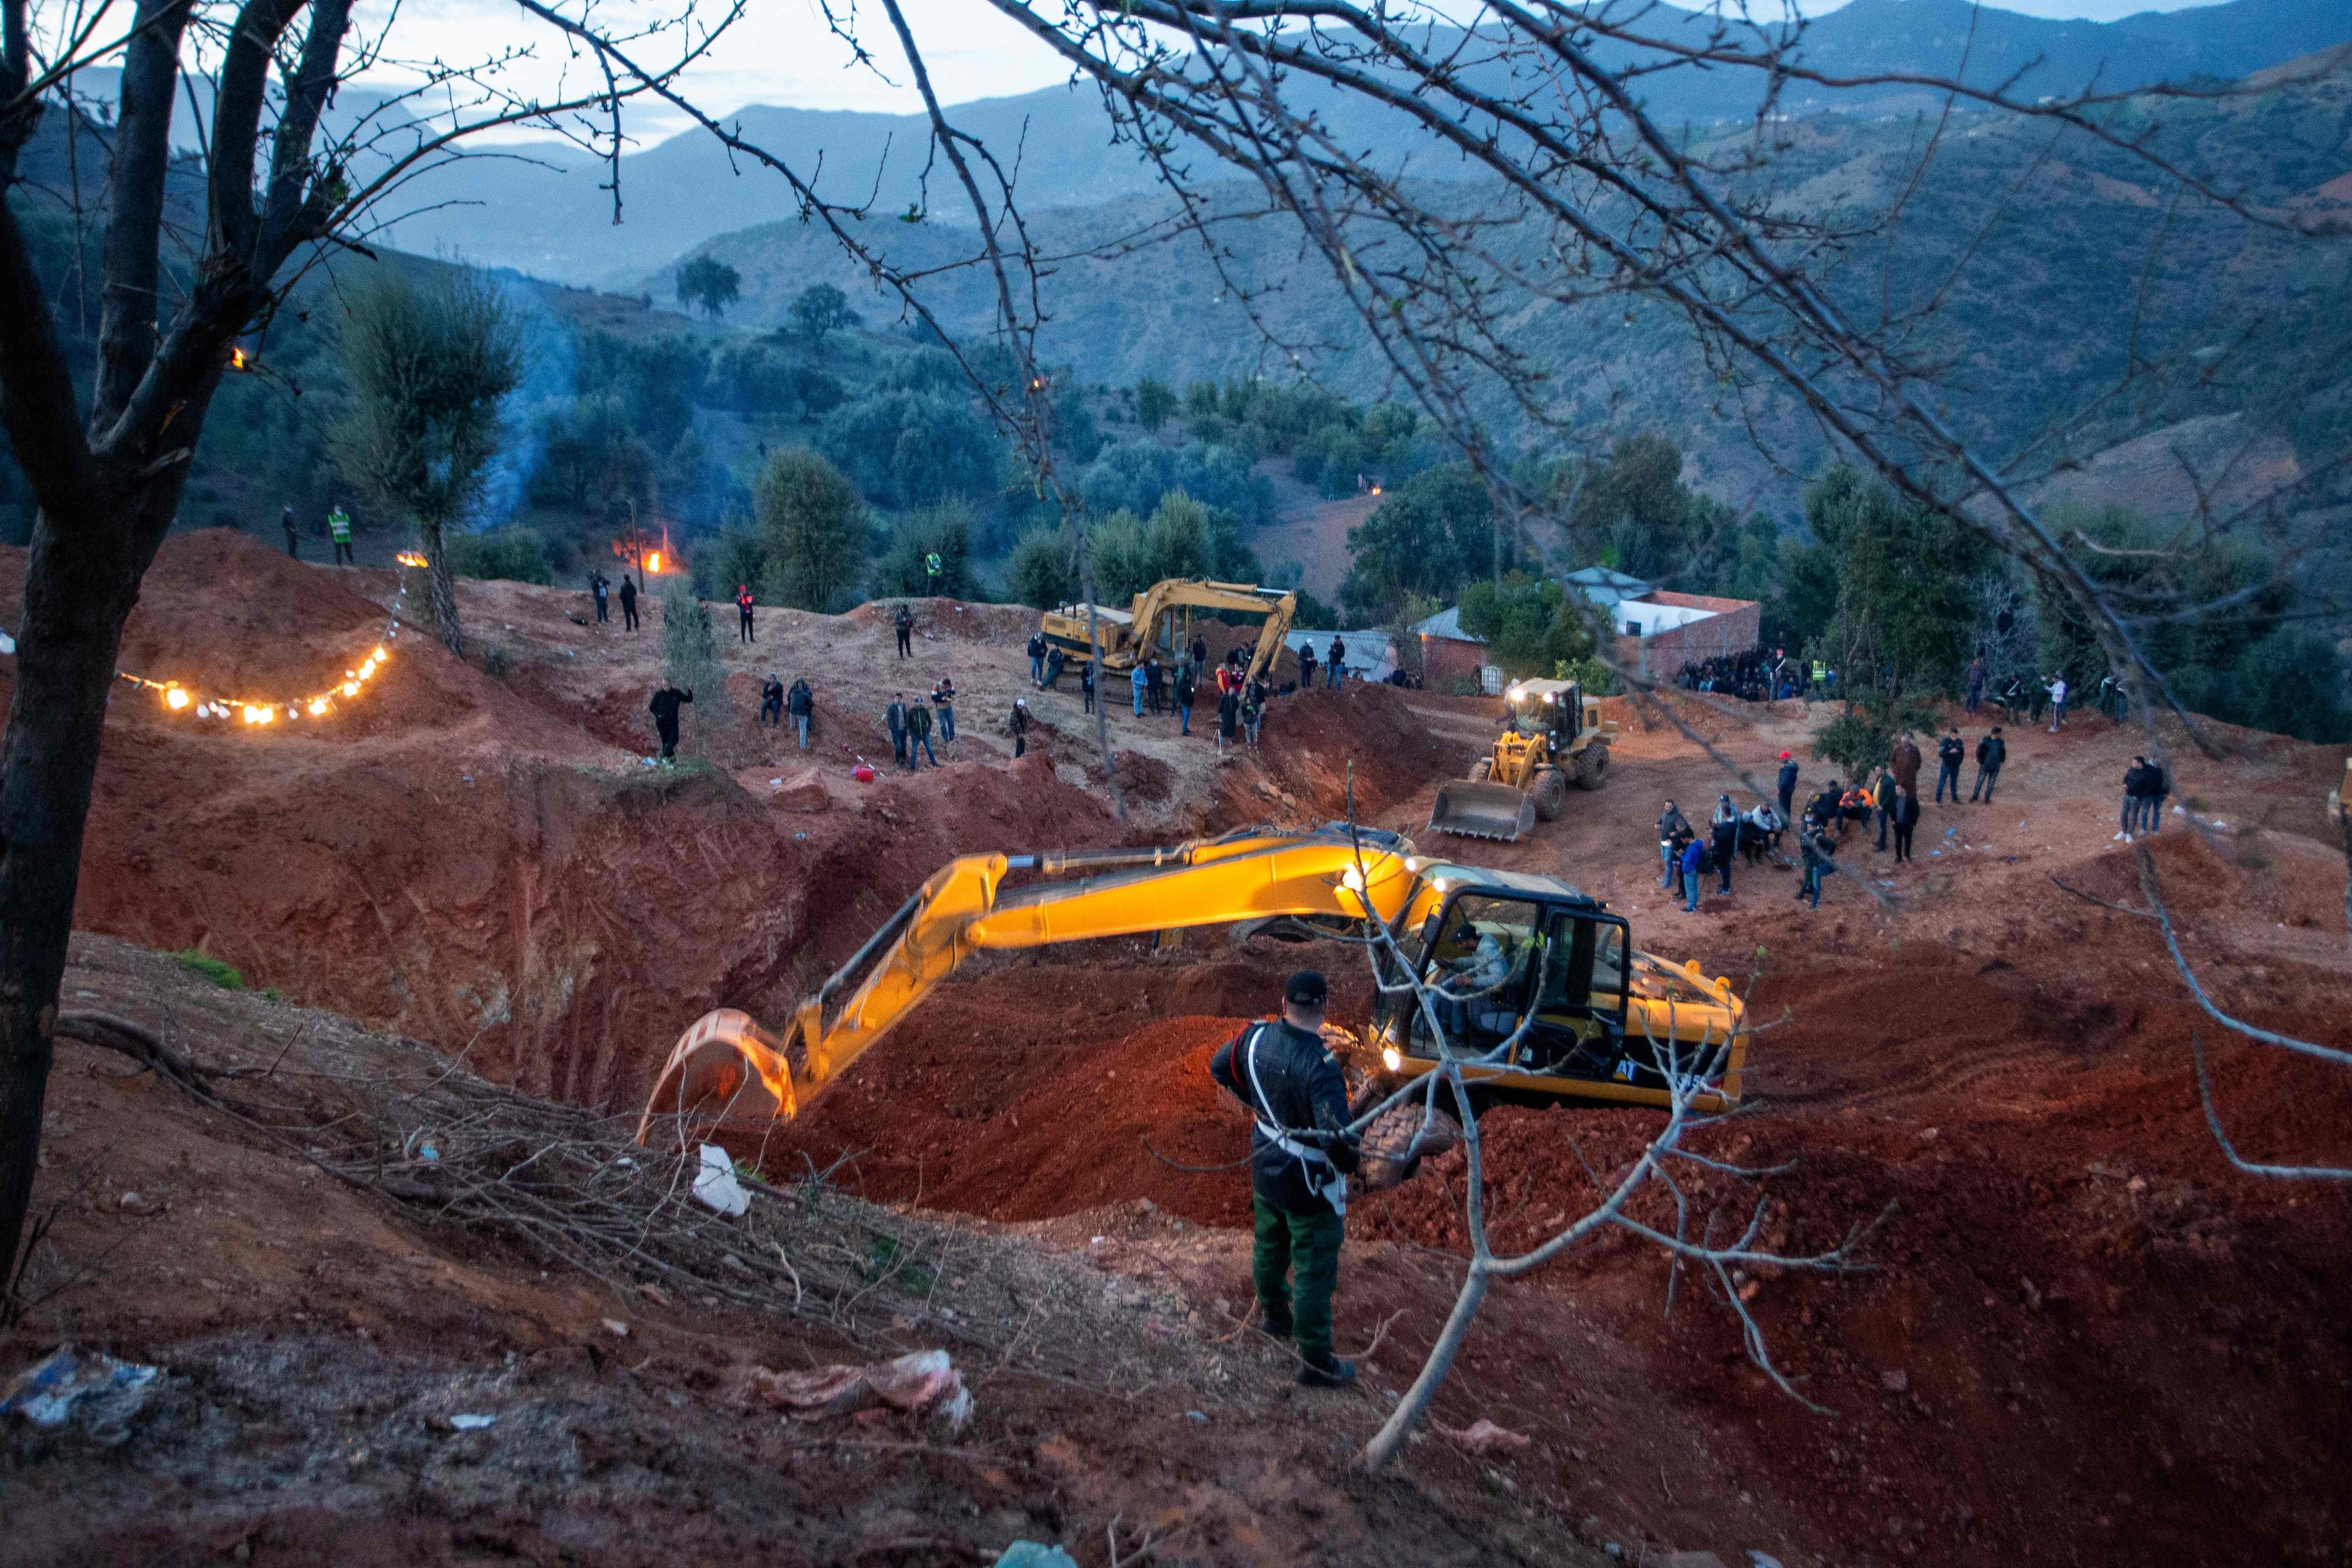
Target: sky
[(783, 53)]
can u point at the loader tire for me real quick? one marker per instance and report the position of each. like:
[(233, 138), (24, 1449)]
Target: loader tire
[(1394, 1145), (1551, 795), (1592, 767)]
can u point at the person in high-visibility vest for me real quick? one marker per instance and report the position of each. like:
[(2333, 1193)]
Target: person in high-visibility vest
[(339, 523)]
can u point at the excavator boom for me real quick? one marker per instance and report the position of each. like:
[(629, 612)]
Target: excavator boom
[(727, 1066)]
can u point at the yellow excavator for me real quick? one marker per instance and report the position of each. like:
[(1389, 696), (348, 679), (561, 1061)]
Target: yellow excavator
[(1161, 618), (1553, 736), (1610, 1023)]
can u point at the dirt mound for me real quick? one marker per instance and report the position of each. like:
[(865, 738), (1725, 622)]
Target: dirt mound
[(950, 619), (1142, 778), (1311, 739)]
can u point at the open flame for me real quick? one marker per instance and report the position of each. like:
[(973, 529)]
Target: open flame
[(653, 562), (411, 558), (239, 360)]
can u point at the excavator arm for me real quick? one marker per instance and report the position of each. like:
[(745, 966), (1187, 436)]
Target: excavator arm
[(727, 1067)]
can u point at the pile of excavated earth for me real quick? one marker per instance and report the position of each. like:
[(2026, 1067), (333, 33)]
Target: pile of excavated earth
[(2082, 1336)]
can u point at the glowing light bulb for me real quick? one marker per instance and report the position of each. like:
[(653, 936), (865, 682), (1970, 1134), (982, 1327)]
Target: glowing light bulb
[(175, 697), (380, 657), (252, 714), (317, 706), (351, 689), (264, 715)]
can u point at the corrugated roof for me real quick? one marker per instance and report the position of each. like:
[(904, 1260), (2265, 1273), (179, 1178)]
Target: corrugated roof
[(1606, 586), (1447, 623)]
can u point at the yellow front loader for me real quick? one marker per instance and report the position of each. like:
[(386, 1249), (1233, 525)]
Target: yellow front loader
[(1161, 619), (1610, 1023), (1553, 736)]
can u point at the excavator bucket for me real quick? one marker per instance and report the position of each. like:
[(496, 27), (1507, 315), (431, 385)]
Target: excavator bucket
[(1479, 810)]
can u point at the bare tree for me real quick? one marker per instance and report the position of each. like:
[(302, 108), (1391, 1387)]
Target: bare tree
[(198, 253), (428, 364)]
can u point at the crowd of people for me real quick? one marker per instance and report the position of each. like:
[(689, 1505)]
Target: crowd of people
[(1758, 675), (1236, 699), (1888, 802)]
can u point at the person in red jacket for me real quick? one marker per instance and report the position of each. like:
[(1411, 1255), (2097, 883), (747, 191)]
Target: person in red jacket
[(744, 611)]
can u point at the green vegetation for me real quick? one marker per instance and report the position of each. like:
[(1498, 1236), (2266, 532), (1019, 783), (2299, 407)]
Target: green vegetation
[(1530, 626), (690, 660), (1182, 538), (813, 523), (1042, 572), (222, 974), (940, 532), (2254, 663), (821, 309), (517, 554), (709, 283), (1429, 535), (429, 365)]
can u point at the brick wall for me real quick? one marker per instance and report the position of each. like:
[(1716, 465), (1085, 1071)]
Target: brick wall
[(1734, 629), (1444, 660)]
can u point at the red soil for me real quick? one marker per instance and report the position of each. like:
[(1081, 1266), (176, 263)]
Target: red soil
[(2085, 1338)]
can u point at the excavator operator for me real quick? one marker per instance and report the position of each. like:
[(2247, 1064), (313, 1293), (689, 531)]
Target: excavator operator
[(1300, 1158)]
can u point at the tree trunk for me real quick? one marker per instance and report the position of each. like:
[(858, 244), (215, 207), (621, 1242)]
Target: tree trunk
[(77, 596), (442, 589), (1417, 1399)]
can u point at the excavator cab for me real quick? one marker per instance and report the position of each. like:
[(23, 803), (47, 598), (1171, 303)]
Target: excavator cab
[(1505, 948)]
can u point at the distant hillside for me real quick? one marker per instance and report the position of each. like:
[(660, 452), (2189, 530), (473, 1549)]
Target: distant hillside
[(548, 216), (2040, 319)]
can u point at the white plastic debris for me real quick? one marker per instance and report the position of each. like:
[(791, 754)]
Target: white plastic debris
[(85, 1389), (715, 1184), (925, 1382), (471, 1423)]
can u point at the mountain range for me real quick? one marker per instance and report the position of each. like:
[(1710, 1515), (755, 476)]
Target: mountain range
[(547, 214)]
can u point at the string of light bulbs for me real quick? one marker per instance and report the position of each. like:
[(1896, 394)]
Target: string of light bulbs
[(178, 698)]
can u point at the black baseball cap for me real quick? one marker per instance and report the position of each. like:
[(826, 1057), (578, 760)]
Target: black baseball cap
[(1306, 988)]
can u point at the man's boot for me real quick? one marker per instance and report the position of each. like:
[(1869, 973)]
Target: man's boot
[(1330, 1372), (1273, 1321)]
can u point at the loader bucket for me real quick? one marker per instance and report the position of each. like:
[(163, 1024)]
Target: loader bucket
[(1482, 810)]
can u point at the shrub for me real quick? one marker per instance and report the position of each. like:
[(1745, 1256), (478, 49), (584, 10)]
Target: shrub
[(213, 968), (515, 555), (1041, 571), (813, 525)]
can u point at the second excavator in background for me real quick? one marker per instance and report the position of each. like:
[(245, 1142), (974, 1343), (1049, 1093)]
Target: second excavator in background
[(1163, 617), (1492, 949)]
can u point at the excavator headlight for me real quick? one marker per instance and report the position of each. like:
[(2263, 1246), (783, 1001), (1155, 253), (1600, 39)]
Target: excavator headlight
[(1391, 1058), (1352, 880)]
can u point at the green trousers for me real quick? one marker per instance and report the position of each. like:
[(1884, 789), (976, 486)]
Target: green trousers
[(1295, 1264)]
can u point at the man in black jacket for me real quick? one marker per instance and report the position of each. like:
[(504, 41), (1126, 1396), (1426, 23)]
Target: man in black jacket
[(1950, 753), (1788, 783), (800, 702), (1992, 752), (664, 706), (1671, 829), (1300, 1156), (628, 602), (896, 717)]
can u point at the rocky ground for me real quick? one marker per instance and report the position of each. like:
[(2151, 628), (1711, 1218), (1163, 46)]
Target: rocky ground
[(2082, 1338)]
